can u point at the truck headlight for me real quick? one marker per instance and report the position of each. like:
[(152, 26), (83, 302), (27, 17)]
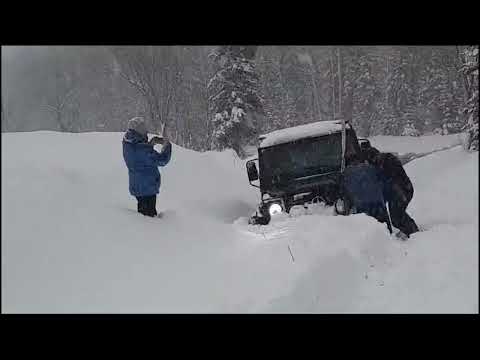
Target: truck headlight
[(340, 205), (274, 209)]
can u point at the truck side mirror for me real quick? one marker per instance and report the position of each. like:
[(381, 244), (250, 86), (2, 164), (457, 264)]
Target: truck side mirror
[(252, 170)]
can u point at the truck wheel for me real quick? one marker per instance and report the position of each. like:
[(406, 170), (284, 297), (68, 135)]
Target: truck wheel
[(262, 219), (259, 220)]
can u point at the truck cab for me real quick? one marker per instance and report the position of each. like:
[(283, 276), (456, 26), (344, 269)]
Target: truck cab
[(300, 165)]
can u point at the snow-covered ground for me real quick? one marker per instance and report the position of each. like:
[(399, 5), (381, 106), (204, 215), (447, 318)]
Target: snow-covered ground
[(408, 144), (73, 242)]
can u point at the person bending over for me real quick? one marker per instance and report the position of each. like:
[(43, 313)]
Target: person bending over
[(398, 190)]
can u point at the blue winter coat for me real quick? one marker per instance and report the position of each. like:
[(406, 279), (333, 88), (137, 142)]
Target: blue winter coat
[(366, 186), (142, 162)]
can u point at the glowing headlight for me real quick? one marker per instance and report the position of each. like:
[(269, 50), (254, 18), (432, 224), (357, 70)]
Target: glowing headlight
[(340, 205), (274, 209)]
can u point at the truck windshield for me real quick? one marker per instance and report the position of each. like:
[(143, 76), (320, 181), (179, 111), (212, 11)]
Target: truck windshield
[(302, 158)]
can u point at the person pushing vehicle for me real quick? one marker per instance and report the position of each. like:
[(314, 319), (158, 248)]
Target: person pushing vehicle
[(398, 190)]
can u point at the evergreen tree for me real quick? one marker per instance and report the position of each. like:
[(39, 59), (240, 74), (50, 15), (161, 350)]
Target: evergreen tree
[(387, 122), (365, 95), (235, 100), (429, 83), (388, 90), (445, 103), (278, 104), (410, 119), (439, 91), (409, 130), (470, 69), (401, 90)]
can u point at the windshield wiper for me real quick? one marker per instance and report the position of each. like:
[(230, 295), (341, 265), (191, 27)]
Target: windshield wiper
[(322, 169), (314, 176)]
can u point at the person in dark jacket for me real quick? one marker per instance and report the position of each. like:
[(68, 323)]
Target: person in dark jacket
[(363, 187), (142, 162), (398, 191)]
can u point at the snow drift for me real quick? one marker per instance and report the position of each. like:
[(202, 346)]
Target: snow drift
[(72, 241), (415, 144)]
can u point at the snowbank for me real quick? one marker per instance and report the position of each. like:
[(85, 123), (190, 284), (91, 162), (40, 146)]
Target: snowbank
[(73, 242), (415, 144)]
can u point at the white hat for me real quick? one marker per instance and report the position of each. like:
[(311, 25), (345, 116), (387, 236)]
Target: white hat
[(138, 124)]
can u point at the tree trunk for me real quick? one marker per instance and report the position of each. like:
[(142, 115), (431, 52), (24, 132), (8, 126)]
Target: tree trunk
[(464, 76), (332, 75), (59, 118), (339, 84), (340, 111)]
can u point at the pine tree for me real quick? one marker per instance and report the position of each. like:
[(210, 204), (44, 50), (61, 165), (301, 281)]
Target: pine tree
[(405, 89), (388, 121), (278, 104), (365, 95), (446, 104), (402, 93), (235, 100), (470, 69), (439, 94), (410, 120), (428, 94)]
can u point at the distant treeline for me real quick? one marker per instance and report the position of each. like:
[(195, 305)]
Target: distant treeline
[(216, 97)]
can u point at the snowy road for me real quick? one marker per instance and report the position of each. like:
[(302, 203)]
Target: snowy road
[(72, 241)]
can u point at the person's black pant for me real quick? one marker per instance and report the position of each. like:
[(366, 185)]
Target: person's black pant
[(146, 205), (400, 219)]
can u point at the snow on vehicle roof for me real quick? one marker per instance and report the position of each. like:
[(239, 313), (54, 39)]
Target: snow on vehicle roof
[(299, 132)]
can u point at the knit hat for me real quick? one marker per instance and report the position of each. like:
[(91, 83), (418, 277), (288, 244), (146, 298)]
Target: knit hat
[(138, 124)]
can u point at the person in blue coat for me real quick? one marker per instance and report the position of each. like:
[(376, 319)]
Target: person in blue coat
[(142, 162)]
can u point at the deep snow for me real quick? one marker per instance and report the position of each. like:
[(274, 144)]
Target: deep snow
[(73, 242), (421, 144)]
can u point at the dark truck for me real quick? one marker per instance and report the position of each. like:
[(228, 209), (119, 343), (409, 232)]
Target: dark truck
[(300, 165)]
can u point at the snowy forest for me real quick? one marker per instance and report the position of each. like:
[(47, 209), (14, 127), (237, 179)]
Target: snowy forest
[(216, 97)]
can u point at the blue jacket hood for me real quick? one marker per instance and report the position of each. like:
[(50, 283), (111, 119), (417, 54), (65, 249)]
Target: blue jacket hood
[(133, 137)]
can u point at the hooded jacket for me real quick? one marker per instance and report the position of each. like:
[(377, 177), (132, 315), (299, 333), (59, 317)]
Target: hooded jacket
[(399, 187), (142, 162)]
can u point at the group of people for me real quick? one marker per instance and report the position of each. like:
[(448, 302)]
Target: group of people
[(376, 183)]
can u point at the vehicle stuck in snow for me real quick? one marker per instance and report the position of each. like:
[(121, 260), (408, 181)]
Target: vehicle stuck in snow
[(300, 165)]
